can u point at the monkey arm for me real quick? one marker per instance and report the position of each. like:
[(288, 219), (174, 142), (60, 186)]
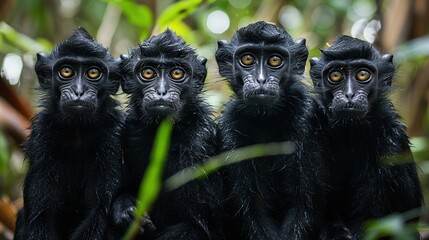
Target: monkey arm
[(40, 206), (99, 193), (304, 217)]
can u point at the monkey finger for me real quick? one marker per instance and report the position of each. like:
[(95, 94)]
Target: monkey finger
[(146, 223)]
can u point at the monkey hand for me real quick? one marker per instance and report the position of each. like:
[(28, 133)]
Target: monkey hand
[(123, 214)]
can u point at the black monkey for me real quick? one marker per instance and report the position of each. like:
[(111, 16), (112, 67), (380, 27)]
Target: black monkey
[(165, 77), (74, 148), (276, 197), (367, 139)]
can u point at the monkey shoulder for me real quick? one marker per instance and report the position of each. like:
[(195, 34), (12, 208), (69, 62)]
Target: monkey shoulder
[(193, 136)]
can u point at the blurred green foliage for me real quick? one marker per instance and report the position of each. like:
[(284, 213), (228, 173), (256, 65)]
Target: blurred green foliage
[(4, 154), (36, 26), (137, 14), (391, 226)]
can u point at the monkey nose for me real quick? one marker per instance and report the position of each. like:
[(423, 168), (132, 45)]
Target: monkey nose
[(261, 78), (350, 95), (161, 91), (78, 92)]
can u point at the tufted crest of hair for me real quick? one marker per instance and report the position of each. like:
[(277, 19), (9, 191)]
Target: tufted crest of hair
[(349, 48), (167, 45), (260, 33), (79, 45)]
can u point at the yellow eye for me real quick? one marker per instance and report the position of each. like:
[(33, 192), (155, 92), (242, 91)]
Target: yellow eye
[(93, 73), (363, 75), (147, 73), (177, 74), (275, 61), (66, 72), (247, 60), (335, 76)]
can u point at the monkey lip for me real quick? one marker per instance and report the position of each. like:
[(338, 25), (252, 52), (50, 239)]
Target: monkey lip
[(350, 112), (261, 95), (161, 107), (78, 105)]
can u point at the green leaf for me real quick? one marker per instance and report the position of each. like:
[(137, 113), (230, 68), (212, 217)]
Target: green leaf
[(393, 226), (212, 164), (418, 47), (152, 180), (4, 154), (21, 41), (383, 227), (418, 144), (176, 12), (137, 14)]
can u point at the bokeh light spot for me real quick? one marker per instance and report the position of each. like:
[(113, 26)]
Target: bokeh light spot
[(12, 68), (290, 17), (218, 22), (323, 17)]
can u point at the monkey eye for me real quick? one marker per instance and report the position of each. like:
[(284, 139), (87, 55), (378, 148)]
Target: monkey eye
[(66, 72), (93, 73), (247, 60), (363, 75), (275, 61), (147, 73), (335, 76), (177, 74)]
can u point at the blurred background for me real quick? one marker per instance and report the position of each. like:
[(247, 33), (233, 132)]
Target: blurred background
[(27, 27)]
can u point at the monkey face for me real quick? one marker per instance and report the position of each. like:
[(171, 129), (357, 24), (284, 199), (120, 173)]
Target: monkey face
[(79, 83), (162, 86), (349, 87), (260, 70)]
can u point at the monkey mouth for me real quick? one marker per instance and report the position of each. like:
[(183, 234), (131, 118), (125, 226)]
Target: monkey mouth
[(161, 107), (78, 106), (261, 95), (350, 110)]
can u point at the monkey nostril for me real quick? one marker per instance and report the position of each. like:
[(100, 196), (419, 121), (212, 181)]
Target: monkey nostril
[(262, 79), (161, 93), (350, 95)]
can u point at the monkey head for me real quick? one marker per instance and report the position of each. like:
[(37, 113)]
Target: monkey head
[(260, 61), (162, 74), (78, 74), (350, 76)]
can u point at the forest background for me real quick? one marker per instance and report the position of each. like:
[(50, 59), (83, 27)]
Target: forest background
[(27, 27)]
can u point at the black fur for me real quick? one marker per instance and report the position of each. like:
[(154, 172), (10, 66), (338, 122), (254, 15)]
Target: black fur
[(188, 212), (276, 197), (372, 173), (74, 156)]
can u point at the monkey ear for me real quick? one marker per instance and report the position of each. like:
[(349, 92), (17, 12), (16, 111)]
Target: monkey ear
[(387, 58), (126, 83), (313, 62), (221, 43), (388, 64), (201, 72), (43, 71), (202, 60), (299, 55), (115, 76), (301, 41)]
